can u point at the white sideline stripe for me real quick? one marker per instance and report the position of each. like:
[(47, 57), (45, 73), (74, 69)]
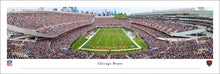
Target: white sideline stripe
[(132, 40), (109, 49), (88, 39)]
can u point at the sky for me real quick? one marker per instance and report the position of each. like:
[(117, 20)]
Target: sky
[(128, 10)]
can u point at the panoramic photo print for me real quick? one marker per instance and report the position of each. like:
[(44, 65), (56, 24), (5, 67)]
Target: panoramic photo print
[(109, 33)]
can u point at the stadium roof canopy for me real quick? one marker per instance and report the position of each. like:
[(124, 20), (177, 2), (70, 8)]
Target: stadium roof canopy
[(202, 13)]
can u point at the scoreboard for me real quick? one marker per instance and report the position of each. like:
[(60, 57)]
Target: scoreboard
[(120, 16)]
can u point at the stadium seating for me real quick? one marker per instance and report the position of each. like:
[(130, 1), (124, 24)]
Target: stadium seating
[(69, 27), (165, 26), (111, 22), (174, 50), (49, 22)]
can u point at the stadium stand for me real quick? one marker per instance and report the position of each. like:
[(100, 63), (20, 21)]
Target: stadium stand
[(46, 22), (111, 22), (164, 26), (69, 27)]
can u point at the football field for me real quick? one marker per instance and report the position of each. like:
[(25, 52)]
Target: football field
[(106, 39)]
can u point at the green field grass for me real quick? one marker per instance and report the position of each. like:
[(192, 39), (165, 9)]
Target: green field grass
[(109, 37), (138, 40)]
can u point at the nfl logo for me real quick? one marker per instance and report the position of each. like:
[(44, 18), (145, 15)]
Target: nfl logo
[(9, 63)]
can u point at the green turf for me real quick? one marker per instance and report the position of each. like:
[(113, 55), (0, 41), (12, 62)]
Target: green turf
[(109, 37), (78, 43), (138, 40)]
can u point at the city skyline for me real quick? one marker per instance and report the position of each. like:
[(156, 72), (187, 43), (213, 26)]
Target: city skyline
[(127, 10)]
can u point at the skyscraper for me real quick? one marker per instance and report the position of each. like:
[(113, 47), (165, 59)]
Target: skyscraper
[(75, 10), (115, 12), (55, 9)]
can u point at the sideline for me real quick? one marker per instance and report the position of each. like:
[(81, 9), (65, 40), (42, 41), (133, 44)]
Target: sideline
[(132, 40), (109, 49), (88, 39)]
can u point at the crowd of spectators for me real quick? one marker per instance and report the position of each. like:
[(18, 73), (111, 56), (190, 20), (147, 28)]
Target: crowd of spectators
[(38, 49), (12, 46), (185, 50), (60, 29), (49, 48), (100, 56), (151, 31), (111, 22), (39, 19), (118, 56), (66, 40), (191, 49), (151, 41), (58, 48), (165, 26), (49, 23)]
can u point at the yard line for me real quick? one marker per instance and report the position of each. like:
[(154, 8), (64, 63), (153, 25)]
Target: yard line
[(124, 38), (109, 32), (88, 39), (100, 36), (106, 39), (120, 38), (114, 40), (132, 40)]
